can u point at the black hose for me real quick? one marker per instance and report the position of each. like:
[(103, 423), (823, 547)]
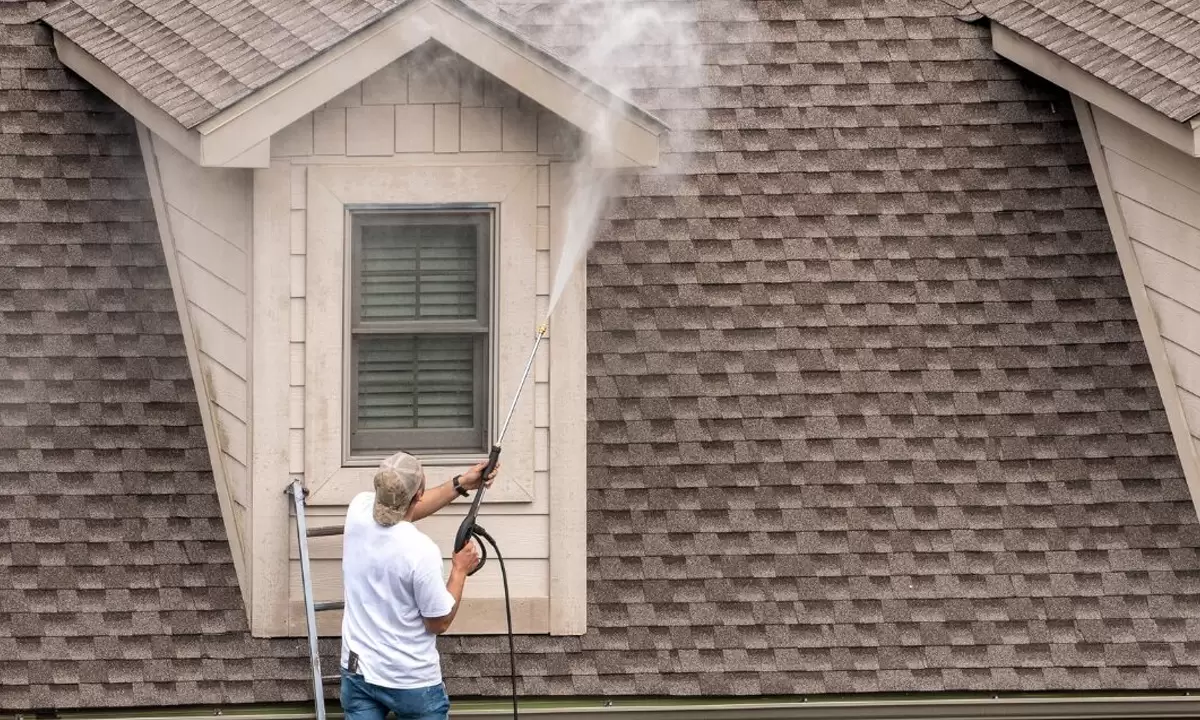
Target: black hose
[(512, 654)]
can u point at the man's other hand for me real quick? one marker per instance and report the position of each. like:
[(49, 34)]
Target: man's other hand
[(470, 479), (466, 559)]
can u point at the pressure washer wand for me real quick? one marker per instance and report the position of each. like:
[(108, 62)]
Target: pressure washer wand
[(467, 527), (541, 333)]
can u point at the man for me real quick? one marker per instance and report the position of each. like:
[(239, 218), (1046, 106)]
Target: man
[(396, 601)]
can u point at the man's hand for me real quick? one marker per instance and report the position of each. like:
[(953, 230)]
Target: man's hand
[(466, 559), (470, 479), (436, 498)]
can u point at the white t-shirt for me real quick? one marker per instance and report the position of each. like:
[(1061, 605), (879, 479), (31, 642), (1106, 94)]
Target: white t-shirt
[(392, 578)]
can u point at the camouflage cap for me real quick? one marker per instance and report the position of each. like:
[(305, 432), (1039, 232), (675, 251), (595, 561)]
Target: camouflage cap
[(396, 484)]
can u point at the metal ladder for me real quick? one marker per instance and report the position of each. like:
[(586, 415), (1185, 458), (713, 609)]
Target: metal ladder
[(311, 608)]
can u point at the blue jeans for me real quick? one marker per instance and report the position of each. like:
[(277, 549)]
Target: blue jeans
[(362, 700)]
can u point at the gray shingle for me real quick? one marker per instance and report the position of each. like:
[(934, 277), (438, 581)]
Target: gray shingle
[(834, 443)]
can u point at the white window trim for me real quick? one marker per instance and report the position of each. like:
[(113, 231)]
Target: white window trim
[(489, 285), (513, 191), (568, 426)]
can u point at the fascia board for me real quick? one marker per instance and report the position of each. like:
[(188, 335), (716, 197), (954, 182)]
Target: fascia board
[(1040, 61), (187, 142)]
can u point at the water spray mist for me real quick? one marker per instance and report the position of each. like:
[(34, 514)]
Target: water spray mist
[(612, 31)]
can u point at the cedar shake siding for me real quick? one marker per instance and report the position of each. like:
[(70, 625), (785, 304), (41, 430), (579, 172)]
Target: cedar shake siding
[(868, 408)]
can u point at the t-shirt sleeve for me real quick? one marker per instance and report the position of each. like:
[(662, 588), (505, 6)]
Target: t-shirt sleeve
[(429, 589)]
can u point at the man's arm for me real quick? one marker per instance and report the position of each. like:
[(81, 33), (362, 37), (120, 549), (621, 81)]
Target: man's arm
[(439, 497), (464, 560), (434, 499)]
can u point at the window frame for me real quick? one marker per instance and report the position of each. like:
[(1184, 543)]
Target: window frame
[(477, 438), (323, 194)]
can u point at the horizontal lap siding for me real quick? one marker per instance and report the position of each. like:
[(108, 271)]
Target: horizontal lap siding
[(1158, 191), (525, 536), (448, 112), (526, 579), (208, 210)]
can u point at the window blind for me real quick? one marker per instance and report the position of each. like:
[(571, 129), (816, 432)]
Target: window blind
[(419, 331), (416, 381), (418, 272)]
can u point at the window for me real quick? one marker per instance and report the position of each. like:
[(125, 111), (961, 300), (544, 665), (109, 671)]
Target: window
[(495, 204), (419, 331)]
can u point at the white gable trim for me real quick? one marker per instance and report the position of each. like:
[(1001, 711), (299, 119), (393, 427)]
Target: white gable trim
[(240, 136), (257, 117), (1038, 60), (598, 114), (270, 109)]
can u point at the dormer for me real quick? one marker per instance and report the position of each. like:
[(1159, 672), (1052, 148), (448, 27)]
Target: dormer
[(361, 214)]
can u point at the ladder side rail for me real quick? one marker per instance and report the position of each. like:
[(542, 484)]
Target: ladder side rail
[(310, 617)]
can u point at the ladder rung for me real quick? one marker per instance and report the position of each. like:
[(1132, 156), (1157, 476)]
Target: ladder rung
[(329, 605), (325, 531)]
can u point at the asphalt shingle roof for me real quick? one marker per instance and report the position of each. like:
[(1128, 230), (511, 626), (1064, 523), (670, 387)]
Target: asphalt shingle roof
[(195, 59), (1149, 49), (868, 408)]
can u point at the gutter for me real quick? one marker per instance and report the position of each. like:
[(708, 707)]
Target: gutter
[(851, 707)]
